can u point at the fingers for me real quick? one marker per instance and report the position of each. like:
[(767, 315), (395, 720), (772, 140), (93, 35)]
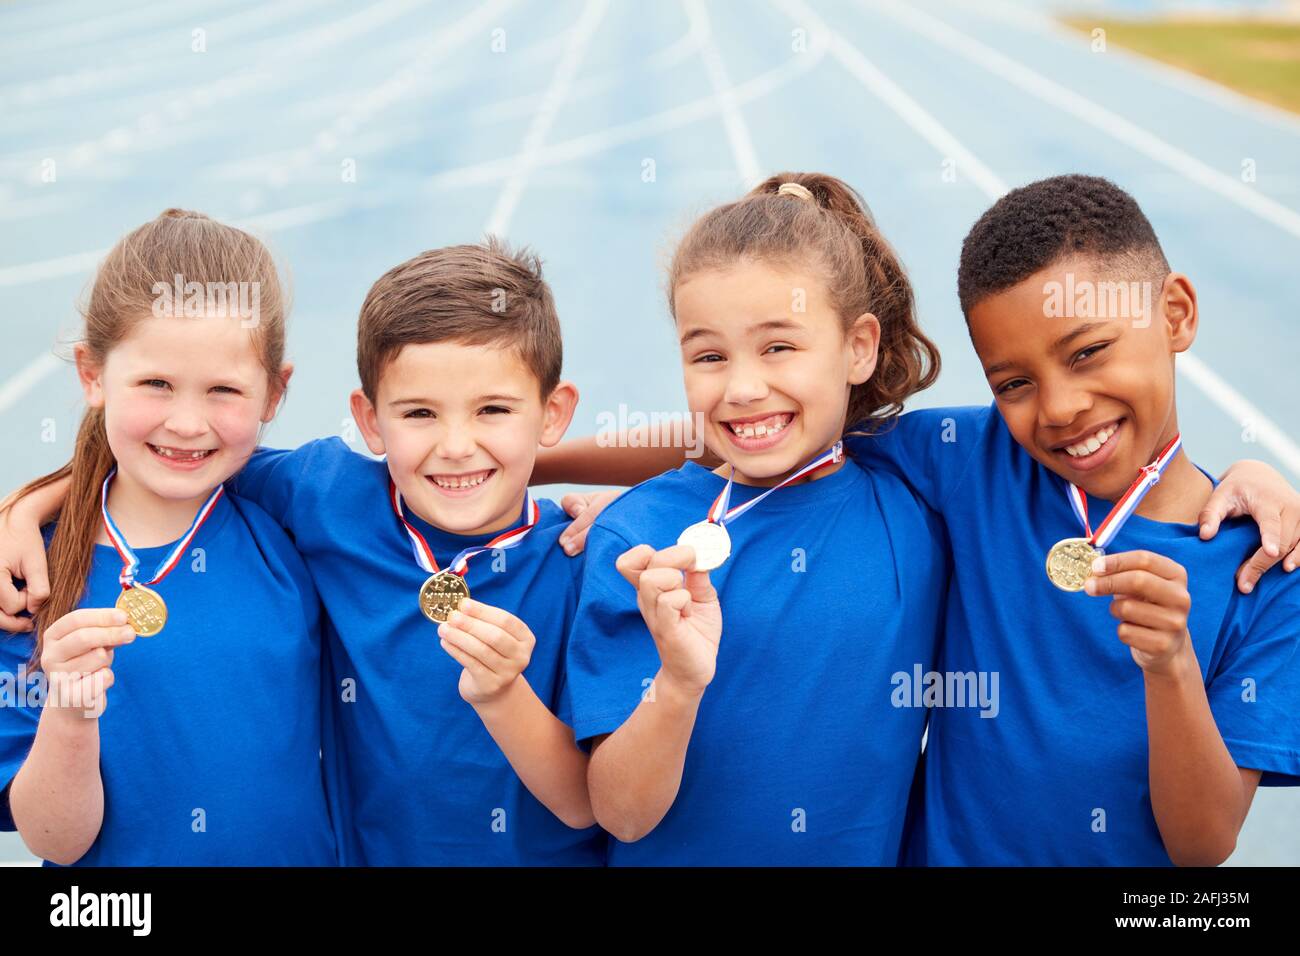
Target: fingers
[(487, 655), (489, 617), (85, 617), (1292, 560), (37, 576), (574, 503), (700, 587), (11, 599), (467, 661), (62, 653), (1144, 614), (1215, 510), (1142, 574), (669, 609), (1144, 639), (1253, 568), (632, 562)]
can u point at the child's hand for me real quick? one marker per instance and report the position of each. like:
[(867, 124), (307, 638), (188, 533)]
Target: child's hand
[(492, 645), (1257, 489), (77, 657), (681, 609), (22, 556), (583, 507), (1151, 602)]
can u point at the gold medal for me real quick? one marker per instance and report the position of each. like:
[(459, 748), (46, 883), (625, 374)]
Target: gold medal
[(441, 594), (1069, 563), (145, 610)]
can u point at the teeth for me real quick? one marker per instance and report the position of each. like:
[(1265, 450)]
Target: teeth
[(1091, 443), (461, 481), (768, 426), (180, 454)]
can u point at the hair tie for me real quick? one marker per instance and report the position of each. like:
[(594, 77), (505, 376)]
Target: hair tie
[(794, 189)]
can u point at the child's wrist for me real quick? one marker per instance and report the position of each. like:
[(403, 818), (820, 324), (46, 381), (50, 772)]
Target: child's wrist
[(1182, 668), (675, 690)]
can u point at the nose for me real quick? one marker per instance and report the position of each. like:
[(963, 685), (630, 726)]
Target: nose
[(185, 419), (1060, 403), (745, 385), (454, 443)]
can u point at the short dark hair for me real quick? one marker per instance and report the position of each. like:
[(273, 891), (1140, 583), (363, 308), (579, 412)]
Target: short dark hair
[(1032, 227), (481, 294)]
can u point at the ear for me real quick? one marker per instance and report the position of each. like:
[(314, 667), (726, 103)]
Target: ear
[(279, 385), (558, 413), (863, 340), (363, 413), (90, 374), (1178, 302)]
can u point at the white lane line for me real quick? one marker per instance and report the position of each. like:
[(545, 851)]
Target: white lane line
[(1197, 371), (27, 379), (1241, 410), (556, 92), (1130, 134), (892, 95), (742, 146)]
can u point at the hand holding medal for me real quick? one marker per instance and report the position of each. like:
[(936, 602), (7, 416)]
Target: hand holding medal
[(681, 610), (145, 609), (1152, 603), (491, 644), (77, 659), (1070, 560)]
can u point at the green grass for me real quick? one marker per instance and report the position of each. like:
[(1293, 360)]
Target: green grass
[(1257, 57)]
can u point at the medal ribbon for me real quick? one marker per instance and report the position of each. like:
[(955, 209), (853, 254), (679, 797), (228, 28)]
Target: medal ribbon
[(459, 564), (130, 563), (1147, 479), (718, 511)]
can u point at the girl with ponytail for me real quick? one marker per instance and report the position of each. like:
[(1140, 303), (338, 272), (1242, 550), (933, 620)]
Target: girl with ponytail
[(742, 698), (190, 604)]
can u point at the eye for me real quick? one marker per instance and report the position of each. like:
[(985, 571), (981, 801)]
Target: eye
[(708, 357), (418, 413), (782, 346), (155, 383), (226, 390), (1006, 388), (1090, 351), (495, 409)]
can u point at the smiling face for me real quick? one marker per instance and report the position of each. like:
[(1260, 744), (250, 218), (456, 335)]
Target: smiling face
[(1090, 394), (770, 382), (183, 400), (460, 426)]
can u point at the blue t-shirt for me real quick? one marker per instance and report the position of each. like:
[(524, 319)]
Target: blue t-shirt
[(1059, 775), (414, 776), (799, 755), (211, 742)]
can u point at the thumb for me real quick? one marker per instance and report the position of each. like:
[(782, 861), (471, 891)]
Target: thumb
[(700, 587), (1215, 510)]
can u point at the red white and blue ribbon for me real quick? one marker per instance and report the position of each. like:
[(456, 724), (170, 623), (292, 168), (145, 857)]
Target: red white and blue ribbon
[(719, 512), (1147, 479), (507, 539), (130, 563)]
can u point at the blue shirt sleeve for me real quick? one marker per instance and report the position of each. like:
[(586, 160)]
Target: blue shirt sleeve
[(268, 480), (930, 448), (1254, 693), (611, 658), (20, 712)]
